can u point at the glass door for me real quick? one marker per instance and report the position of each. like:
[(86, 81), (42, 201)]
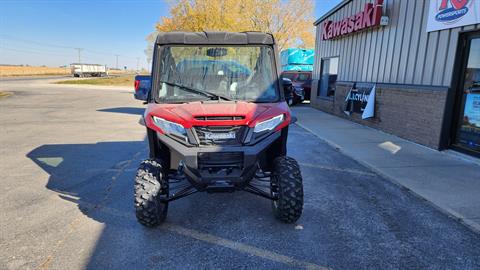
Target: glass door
[(467, 136)]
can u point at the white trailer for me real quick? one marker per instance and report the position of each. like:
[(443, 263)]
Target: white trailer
[(84, 70)]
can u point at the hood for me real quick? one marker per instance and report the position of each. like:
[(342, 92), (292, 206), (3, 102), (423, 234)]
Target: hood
[(214, 113), (301, 84)]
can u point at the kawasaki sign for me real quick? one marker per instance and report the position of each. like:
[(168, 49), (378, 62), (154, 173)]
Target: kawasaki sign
[(369, 17)]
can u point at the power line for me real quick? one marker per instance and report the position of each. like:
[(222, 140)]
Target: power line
[(59, 46), (36, 42), (32, 52)]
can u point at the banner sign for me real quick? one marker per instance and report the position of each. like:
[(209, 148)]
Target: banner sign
[(369, 17), (360, 100), (445, 14)]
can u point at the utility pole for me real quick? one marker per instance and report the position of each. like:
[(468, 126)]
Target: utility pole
[(79, 50), (116, 62), (138, 59)]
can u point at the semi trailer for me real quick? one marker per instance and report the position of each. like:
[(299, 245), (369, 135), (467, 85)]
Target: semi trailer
[(88, 70)]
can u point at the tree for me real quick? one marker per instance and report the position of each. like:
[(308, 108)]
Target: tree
[(290, 22)]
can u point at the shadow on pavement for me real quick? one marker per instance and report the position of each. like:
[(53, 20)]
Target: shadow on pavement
[(99, 178), (83, 172), (126, 110), (352, 217)]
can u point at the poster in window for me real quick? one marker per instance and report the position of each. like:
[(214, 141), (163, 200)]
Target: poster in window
[(469, 133), (360, 100)]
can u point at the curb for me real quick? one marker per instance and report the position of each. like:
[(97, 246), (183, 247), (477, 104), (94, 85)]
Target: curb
[(473, 226)]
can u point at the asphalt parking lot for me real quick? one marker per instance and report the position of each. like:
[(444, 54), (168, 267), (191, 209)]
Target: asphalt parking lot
[(68, 157)]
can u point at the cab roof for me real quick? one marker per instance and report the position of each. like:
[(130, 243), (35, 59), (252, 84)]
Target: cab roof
[(214, 38)]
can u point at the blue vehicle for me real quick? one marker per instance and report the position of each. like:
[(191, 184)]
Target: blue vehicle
[(142, 86)]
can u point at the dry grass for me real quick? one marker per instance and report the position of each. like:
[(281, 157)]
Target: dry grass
[(114, 81), (6, 71), (118, 72), (4, 94)]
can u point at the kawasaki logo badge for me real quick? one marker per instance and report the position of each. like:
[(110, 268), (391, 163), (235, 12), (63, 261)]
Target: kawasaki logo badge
[(219, 136)]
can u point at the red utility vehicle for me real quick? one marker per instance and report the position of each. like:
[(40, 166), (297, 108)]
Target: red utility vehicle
[(217, 121)]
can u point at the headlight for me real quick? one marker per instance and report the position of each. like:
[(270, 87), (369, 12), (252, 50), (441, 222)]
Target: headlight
[(269, 124), (169, 127)]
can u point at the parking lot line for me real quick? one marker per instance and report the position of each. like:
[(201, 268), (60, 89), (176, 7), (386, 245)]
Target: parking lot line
[(201, 236), (336, 169), (262, 253)]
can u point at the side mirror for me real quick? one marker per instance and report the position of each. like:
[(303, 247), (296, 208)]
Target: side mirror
[(286, 82)]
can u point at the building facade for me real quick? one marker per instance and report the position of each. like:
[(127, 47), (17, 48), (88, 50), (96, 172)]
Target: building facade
[(422, 57)]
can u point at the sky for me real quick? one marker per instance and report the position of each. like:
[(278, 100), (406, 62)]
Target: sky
[(47, 32)]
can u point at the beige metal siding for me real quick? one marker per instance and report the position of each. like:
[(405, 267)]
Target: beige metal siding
[(402, 52)]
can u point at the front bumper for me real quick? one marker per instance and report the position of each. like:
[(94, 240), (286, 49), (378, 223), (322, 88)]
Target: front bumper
[(208, 165)]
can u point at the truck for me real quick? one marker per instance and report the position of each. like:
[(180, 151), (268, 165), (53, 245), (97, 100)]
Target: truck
[(88, 70), (297, 65), (216, 121), (301, 82)]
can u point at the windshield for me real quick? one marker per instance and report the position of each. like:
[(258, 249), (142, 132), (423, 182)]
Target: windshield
[(192, 73), (297, 77)]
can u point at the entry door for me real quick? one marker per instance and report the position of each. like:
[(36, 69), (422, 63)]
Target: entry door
[(467, 135)]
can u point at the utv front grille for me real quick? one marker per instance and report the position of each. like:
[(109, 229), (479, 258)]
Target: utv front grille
[(219, 118), (212, 135), (220, 160)]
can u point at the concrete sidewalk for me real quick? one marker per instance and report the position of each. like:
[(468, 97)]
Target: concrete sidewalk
[(447, 180)]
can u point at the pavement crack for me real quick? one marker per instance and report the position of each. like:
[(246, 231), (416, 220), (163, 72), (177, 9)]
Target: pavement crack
[(123, 165)]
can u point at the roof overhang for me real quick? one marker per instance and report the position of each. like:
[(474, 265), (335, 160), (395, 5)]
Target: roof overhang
[(214, 38)]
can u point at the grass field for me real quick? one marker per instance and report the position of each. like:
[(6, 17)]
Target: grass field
[(114, 81), (6, 71), (11, 71)]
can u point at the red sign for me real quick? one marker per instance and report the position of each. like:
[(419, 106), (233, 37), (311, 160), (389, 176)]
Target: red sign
[(367, 18)]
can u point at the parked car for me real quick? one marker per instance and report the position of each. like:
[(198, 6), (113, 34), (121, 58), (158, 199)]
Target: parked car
[(142, 86), (302, 81), (213, 132)]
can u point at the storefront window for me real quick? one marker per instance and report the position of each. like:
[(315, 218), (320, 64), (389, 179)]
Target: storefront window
[(468, 132), (328, 77)]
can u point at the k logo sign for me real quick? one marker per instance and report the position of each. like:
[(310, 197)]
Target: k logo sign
[(457, 9), (444, 14)]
